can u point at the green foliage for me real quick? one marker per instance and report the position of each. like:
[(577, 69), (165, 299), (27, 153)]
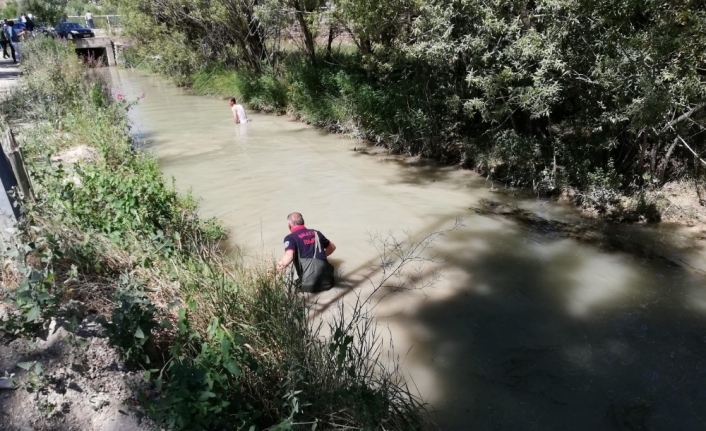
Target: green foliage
[(202, 390), (129, 58), (10, 10), (32, 299), (132, 197), (375, 24), (80, 7), (35, 297), (540, 93), (47, 11), (36, 379), (131, 321), (265, 91)]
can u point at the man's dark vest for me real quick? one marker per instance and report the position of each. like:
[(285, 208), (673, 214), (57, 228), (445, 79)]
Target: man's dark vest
[(315, 274)]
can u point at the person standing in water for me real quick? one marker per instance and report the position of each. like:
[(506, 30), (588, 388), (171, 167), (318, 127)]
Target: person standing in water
[(309, 250), (239, 115)]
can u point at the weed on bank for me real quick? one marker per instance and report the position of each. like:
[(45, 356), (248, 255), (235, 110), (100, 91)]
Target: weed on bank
[(223, 346)]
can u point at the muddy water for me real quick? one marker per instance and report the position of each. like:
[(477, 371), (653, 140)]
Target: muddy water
[(525, 331)]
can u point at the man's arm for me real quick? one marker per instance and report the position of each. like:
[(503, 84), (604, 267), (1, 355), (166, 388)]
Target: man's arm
[(330, 248), (286, 260), (235, 116)]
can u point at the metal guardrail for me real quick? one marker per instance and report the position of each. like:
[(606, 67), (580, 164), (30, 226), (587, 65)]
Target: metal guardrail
[(14, 177), (105, 22)]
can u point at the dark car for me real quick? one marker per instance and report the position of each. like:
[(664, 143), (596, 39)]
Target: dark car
[(44, 29), (72, 30)]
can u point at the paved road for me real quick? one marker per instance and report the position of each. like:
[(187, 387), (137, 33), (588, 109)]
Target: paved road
[(9, 74)]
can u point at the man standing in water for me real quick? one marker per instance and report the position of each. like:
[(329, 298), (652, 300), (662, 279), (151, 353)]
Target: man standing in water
[(309, 250), (239, 115)]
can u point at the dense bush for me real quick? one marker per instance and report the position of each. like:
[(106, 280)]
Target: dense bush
[(544, 93)]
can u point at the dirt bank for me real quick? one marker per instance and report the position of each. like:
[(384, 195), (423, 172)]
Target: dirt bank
[(682, 202), (68, 381), (585, 232)]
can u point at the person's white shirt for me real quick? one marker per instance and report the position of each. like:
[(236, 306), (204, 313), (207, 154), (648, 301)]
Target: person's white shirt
[(89, 15), (240, 112), (23, 18)]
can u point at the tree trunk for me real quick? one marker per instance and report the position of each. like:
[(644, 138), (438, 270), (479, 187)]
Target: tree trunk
[(641, 159), (665, 162), (246, 33), (309, 44), (331, 36), (653, 158), (525, 18)]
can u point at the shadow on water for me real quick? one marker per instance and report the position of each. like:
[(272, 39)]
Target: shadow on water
[(412, 170), (549, 334)]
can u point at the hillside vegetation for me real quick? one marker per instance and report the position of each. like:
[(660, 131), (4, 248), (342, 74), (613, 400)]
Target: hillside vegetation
[(594, 95)]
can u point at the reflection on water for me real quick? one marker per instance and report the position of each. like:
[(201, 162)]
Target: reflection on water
[(527, 331)]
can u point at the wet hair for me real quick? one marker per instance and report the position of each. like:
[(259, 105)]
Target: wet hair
[(295, 219), (232, 99)]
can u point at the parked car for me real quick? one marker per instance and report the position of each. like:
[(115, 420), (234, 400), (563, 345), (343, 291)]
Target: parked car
[(72, 30), (44, 29)]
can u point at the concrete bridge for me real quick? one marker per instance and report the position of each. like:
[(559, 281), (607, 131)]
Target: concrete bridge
[(97, 47)]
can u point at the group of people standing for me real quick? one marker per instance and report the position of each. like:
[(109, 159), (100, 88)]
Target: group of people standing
[(28, 20), (10, 36)]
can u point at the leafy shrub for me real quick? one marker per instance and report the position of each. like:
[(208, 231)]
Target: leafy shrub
[(264, 91), (131, 321), (201, 388), (33, 299), (131, 198)]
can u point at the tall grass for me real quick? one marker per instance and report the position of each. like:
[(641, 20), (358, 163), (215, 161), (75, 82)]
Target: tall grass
[(225, 346)]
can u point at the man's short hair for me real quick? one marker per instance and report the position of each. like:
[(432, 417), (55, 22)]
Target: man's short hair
[(232, 99), (295, 219)]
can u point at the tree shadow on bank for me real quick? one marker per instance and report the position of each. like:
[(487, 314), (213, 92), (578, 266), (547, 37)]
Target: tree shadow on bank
[(547, 333)]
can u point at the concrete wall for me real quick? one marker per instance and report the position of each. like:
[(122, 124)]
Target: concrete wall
[(7, 212), (98, 43)]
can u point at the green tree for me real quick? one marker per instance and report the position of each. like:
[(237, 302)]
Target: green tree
[(535, 92)]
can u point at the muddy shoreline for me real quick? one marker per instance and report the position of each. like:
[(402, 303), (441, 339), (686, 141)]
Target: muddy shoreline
[(585, 233)]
